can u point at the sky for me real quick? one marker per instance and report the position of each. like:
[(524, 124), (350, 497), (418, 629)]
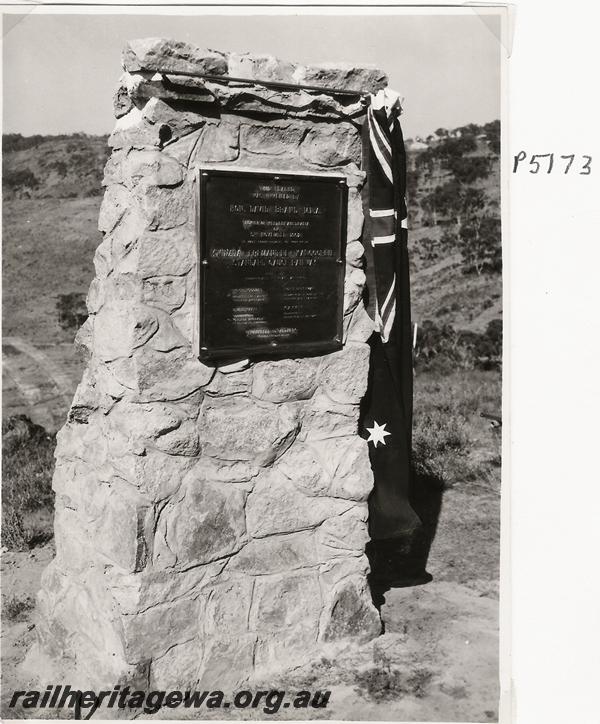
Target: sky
[(60, 70)]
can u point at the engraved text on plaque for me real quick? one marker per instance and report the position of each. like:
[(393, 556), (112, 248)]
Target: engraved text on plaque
[(271, 269)]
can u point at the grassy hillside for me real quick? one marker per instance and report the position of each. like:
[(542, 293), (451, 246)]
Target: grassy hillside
[(48, 248), (59, 167), (454, 202)]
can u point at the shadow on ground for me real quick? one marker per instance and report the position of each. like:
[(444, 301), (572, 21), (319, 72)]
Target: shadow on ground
[(407, 566)]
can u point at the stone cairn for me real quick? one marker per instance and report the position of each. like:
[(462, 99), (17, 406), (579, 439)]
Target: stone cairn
[(210, 522)]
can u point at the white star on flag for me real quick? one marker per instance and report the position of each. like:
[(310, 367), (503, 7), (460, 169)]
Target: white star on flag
[(377, 433)]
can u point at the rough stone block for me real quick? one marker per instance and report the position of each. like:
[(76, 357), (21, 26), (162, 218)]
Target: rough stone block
[(285, 614), (329, 144), (145, 421), (255, 99), (208, 524), (344, 374), (228, 606), (285, 602), (157, 475), (335, 569), (117, 200), (166, 292), (86, 609), (338, 468), (95, 296), (120, 328), (181, 149), (358, 326), (218, 144), (75, 496), (355, 178), (183, 441), (227, 662), (151, 375), (218, 471), (116, 288), (276, 554), (177, 670), (324, 418), (355, 253), (154, 125), (132, 226), (344, 76), (354, 284), (132, 130), (240, 428), (143, 85), (75, 441), (71, 540), (184, 318), (165, 253), (87, 399), (151, 168), (302, 465), (104, 381), (332, 451), (350, 613), (285, 380), (353, 475), (122, 532), (168, 338), (169, 122), (84, 340), (150, 633), (236, 383), (261, 67), (272, 140), (150, 588), (343, 535), (165, 208), (113, 168), (285, 649), (355, 216), (161, 425), (164, 55), (103, 263), (122, 102), (277, 506)]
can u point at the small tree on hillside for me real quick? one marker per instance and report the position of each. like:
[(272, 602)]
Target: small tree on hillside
[(472, 230), (454, 202), (492, 131), (456, 147), (467, 170), (480, 244)]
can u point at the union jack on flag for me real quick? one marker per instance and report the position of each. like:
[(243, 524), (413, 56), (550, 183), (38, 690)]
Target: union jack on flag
[(387, 204)]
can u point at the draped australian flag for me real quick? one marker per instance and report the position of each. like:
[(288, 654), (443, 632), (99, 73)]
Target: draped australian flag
[(386, 420)]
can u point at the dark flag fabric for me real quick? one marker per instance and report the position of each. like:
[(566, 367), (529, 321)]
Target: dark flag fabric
[(386, 420)]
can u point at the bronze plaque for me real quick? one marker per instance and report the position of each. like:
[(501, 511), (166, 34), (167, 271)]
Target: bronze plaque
[(271, 255)]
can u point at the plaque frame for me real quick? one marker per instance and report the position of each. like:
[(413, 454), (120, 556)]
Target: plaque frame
[(230, 353)]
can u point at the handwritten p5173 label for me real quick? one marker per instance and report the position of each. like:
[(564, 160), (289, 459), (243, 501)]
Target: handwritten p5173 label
[(553, 163)]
